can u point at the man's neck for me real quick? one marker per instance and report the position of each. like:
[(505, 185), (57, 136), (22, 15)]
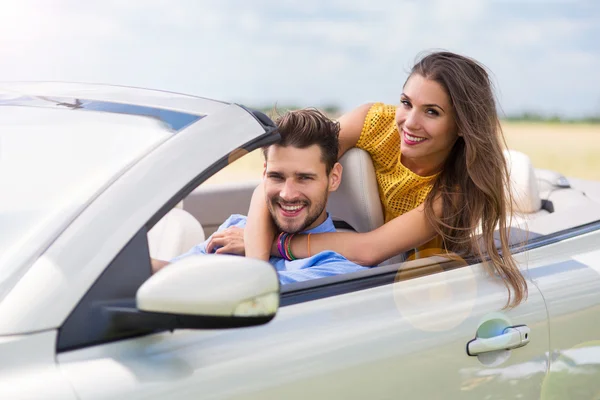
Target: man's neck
[(322, 218)]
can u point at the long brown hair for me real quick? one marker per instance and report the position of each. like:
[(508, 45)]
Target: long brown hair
[(474, 182)]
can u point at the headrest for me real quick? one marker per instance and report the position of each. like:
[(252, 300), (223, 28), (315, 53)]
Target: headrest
[(523, 182), (176, 232), (356, 201)]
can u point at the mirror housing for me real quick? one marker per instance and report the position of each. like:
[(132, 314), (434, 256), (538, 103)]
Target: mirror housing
[(212, 285), (204, 292)]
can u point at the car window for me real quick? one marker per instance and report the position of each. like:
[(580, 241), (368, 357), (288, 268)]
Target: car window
[(89, 323)]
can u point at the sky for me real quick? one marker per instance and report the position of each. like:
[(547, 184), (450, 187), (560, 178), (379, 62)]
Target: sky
[(544, 55)]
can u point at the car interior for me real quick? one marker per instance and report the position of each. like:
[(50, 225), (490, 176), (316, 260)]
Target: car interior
[(551, 208), (541, 199)]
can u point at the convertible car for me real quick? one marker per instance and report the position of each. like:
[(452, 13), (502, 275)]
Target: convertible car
[(98, 179)]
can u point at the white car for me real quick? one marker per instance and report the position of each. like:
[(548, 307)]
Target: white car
[(97, 179)]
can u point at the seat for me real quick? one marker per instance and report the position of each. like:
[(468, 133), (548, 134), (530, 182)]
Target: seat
[(356, 201), (177, 232), (523, 182)]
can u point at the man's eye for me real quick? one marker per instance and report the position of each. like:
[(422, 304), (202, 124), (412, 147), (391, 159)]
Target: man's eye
[(305, 178), (274, 177)]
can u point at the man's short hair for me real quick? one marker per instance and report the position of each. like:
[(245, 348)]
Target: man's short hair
[(306, 127)]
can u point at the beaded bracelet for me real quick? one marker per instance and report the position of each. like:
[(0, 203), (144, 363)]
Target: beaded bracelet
[(288, 248), (284, 246), (280, 243)]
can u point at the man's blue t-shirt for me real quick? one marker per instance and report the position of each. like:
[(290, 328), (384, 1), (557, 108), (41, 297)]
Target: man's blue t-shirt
[(325, 263)]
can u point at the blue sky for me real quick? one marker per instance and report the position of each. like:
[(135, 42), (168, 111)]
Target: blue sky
[(544, 54)]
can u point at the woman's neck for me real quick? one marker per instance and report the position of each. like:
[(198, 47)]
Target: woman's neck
[(424, 167)]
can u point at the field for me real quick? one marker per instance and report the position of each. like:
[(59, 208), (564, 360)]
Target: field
[(572, 149)]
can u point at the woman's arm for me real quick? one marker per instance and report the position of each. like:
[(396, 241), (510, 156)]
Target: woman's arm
[(260, 231), (351, 125), (403, 233)]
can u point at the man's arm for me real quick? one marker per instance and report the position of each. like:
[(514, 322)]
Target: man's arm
[(327, 263)]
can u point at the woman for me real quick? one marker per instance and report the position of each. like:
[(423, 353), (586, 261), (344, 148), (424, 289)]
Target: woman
[(440, 171)]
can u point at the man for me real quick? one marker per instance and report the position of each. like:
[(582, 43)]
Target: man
[(299, 173)]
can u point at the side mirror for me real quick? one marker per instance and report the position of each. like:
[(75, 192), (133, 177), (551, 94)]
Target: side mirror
[(205, 292)]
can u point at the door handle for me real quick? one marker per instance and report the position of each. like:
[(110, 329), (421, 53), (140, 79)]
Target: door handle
[(510, 338)]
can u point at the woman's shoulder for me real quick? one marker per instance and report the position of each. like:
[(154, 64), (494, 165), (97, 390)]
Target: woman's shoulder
[(378, 136), (379, 119), (369, 111), (381, 110)]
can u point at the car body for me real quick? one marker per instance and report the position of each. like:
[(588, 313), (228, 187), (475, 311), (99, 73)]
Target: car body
[(90, 172)]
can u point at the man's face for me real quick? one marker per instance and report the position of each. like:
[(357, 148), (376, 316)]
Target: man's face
[(297, 186)]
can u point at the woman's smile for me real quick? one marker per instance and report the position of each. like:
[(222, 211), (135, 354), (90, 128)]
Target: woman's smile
[(412, 140)]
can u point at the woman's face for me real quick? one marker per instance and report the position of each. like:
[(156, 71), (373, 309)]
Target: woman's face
[(426, 124)]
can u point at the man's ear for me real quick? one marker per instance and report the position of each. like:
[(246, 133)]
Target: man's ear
[(264, 169), (335, 177)]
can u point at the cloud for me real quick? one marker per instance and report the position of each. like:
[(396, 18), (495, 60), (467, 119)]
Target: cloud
[(311, 52)]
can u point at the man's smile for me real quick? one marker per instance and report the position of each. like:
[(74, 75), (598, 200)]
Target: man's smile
[(291, 210)]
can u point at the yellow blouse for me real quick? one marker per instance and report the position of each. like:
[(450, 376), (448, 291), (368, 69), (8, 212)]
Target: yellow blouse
[(400, 189)]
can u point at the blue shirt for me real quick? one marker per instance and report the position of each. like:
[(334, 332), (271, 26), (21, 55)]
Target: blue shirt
[(325, 263)]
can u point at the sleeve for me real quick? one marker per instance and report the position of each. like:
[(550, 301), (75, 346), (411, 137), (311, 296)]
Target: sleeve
[(233, 220), (328, 263), (379, 136)]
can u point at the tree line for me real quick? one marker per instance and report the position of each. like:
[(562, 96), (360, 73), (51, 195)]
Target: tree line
[(335, 111)]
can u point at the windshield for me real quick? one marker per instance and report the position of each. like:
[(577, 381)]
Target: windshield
[(54, 159)]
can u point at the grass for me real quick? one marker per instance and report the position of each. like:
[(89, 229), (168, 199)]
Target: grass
[(571, 149)]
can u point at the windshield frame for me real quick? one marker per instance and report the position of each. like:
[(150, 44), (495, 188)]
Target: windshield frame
[(36, 237)]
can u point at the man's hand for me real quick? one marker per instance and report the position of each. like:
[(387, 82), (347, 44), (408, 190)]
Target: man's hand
[(231, 241)]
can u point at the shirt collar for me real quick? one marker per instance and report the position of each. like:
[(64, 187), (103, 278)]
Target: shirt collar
[(326, 226)]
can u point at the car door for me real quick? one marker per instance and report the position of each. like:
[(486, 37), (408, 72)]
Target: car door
[(389, 332), (570, 282)]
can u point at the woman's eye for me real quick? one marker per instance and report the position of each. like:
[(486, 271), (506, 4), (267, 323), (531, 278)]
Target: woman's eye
[(405, 103), (431, 111)]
